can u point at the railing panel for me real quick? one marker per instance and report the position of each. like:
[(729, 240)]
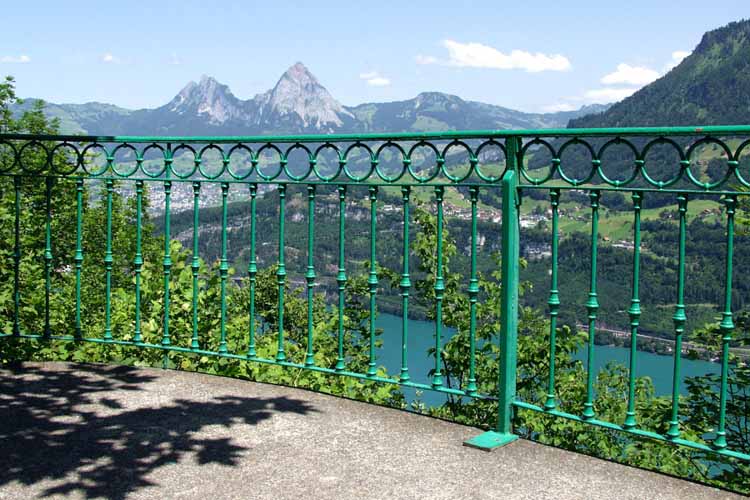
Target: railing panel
[(354, 183)]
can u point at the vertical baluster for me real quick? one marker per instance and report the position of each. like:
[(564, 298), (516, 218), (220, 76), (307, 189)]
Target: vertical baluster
[(471, 386), (281, 272), (252, 270), (727, 325), (635, 310), (167, 261), (508, 338), (679, 320), (108, 265), (372, 280), (437, 378), (554, 301), (310, 274), (78, 258), (404, 286), (47, 254), (195, 263), (341, 278), (223, 269), (17, 258), (592, 305), (138, 261)]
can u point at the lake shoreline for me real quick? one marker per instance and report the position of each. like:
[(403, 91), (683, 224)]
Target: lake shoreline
[(421, 338), (651, 345)]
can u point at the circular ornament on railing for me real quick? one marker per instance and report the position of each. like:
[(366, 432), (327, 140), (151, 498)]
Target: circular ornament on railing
[(211, 161), (744, 178), (696, 149), (670, 147), (428, 160), (154, 155), (464, 164), (489, 156), (619, 148), (65, 159), (535, 149), (358, 162), (185, 161), (592, 159), (33, 157), (95, 160), (391, 162), (299, 160), (240, 154), (269, 154), (8, 156), (127, 151), (328, 162)]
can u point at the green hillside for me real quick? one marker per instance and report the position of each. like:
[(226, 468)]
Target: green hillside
[(710, 87)]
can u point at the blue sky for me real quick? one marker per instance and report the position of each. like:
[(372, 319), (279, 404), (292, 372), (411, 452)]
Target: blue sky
[(538, 56)]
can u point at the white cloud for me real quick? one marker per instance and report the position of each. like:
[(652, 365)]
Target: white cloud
[(619, 84), (23, 58), (421, 59), (108, 58), (607, 95), (630, 75), (563, 106), (641, 75), (677, 57), (477, 55), (378, 82), (374, 79)]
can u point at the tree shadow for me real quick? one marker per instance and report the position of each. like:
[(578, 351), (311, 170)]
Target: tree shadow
[(70, 429)]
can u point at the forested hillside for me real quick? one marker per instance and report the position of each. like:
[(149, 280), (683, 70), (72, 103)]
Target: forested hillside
[(709, 87)]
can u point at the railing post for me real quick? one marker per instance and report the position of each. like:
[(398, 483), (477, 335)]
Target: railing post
[(503, 432)]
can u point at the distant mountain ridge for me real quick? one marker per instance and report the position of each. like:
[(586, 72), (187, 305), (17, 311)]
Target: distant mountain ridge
[(709, 87), (298, 103)]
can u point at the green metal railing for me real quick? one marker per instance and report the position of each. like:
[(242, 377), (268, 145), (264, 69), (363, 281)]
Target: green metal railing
[(481, 161)]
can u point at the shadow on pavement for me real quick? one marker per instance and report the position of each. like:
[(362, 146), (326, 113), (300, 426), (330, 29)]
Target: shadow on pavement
[(71, 426)]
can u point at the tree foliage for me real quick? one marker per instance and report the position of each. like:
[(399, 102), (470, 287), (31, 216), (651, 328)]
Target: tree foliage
[(700, 407)]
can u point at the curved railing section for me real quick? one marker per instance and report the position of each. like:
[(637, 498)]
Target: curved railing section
[(671, 160)]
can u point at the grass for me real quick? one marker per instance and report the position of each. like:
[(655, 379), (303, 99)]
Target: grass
[(615, 225)]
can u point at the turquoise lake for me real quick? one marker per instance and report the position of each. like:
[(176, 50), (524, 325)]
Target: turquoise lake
[(422, 337)]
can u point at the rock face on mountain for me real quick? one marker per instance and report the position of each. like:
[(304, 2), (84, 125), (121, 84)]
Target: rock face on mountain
[(299, 101), (297, 104), (208, 98), (709, 87)]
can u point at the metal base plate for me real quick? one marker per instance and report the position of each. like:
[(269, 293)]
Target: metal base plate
[(490, 440)]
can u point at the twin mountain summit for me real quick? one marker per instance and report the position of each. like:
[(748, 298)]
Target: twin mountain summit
[(710, 86), (298, 103)]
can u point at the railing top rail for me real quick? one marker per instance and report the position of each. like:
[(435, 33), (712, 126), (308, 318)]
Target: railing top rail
[(649, 157), (407, 136)]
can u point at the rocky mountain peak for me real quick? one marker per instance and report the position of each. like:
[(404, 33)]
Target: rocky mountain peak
[(208, 97), (299, 73), (299, 93)]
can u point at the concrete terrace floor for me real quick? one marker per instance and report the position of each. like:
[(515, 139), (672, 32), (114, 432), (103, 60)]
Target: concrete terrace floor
[(91, 431)]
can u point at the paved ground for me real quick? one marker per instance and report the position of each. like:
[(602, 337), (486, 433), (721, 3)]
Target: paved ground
[(86, 431)]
